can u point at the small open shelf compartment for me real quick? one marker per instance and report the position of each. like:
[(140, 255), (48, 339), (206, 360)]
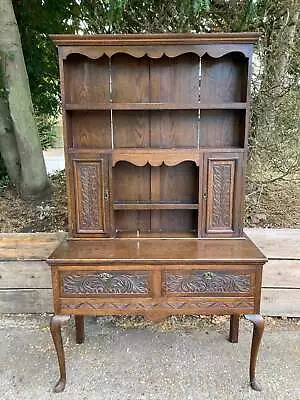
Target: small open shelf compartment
[(155, 199)]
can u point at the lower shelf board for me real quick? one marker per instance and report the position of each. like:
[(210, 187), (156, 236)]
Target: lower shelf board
[(154, 206), (156, 235)]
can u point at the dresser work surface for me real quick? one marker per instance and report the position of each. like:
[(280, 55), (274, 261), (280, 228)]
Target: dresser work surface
[(223, 250)]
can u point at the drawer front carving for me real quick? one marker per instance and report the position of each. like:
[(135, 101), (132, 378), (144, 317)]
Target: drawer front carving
[(105, 283), (207, 282), (205, 305)]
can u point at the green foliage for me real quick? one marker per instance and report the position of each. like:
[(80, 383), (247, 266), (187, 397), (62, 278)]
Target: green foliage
[(148, 16), (274, 134), (37, 19), (47, 134), (4, 180)]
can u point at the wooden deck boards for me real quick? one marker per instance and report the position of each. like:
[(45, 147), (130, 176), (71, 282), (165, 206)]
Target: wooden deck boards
[(25, 284)]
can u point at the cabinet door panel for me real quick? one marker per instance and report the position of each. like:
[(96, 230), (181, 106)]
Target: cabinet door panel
[(222, 194), (91, 195)]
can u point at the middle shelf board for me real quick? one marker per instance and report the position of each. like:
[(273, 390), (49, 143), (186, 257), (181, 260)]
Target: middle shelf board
[(155, 106), (153, 157), (143, 205)]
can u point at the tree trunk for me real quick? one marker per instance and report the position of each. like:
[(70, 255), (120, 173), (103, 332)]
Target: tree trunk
[(25, 164), (8, 144)]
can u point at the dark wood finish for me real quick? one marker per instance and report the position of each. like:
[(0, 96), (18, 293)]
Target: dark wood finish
[(149, 250), (79, 327), (222, 194), (91, 77), (90, 130), (154, 106), (222, 128), (91, 194), (258, 329), (55, 327), (223, 79), (155, 130), (234, 328)]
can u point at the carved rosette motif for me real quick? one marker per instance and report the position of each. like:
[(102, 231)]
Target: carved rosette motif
[(206, 282), (114, 282), (221, 202), (89, 217)]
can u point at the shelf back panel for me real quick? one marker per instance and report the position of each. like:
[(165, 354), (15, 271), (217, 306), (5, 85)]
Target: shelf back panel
[(178, 221), (86, 80), (179, 183), (131, 183), (132, 221), (90, 129), (130, 79), (156, 129), (155, 80), (175, 79), (222, 128), (131, 128), (224, 79), (176, 128), (155, 221)]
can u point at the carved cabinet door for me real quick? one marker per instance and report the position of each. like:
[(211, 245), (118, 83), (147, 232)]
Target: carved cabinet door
[(90, 198), (222, 194)]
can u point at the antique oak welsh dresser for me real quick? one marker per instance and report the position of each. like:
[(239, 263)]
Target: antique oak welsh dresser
[(155, 133)]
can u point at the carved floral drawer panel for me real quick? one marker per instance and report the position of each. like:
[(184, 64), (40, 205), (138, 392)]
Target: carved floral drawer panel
[(105, 283), (208, 282)]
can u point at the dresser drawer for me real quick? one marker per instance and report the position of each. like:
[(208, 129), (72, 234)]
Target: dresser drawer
[(206, 282), (107, 283)]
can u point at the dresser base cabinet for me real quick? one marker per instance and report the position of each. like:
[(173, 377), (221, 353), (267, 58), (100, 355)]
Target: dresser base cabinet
[(156, 278), (155, 138)]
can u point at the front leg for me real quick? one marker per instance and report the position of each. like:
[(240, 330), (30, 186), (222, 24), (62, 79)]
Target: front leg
[(55, 327), (258, 329)]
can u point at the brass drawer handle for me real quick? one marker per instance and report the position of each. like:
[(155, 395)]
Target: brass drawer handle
[(208, 275), (106, 195), (105, 276)]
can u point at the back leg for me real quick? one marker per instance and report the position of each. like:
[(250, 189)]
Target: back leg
[(79, 326), (234, 328)]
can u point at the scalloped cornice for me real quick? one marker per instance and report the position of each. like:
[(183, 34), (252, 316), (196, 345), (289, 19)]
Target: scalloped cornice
[(155, 46), (171, 51)]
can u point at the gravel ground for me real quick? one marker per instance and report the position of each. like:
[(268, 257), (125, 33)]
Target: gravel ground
[(125, 360)]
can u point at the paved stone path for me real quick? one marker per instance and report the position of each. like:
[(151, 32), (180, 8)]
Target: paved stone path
[(145, 364), (54, 160)]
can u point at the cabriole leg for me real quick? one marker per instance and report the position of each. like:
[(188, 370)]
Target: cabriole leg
[(79, 326), (258, 329), (55, 327), (234, 328)]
